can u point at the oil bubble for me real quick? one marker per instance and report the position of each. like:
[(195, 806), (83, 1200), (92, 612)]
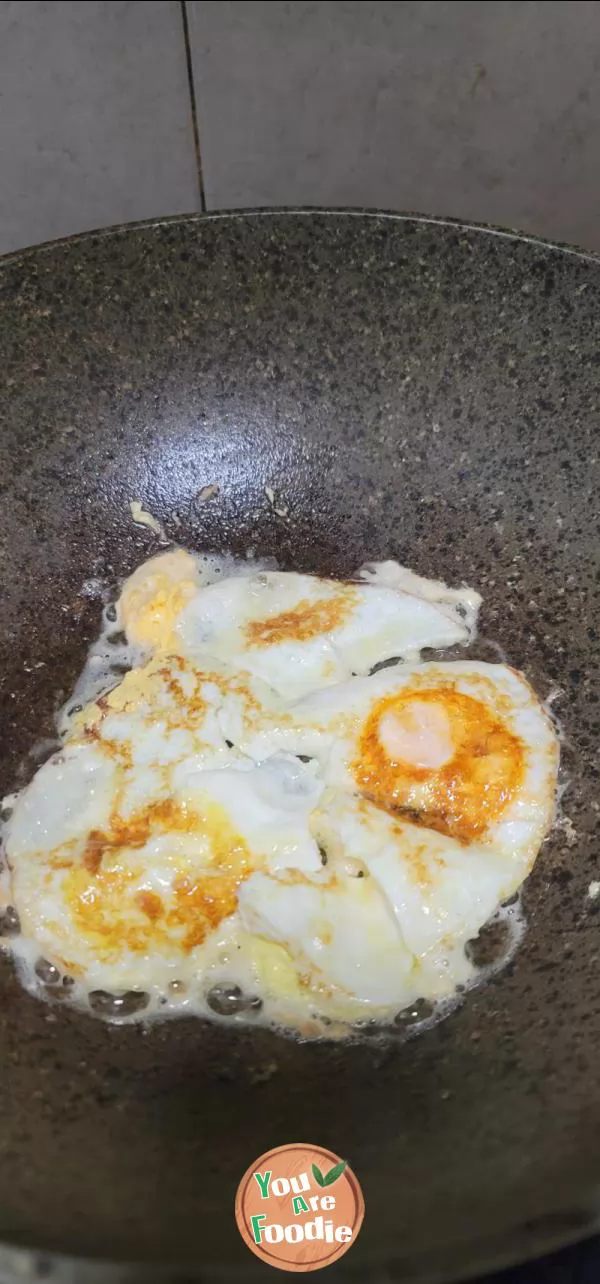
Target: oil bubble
[(118, 1005), (47, 973), (227, 1000), (9, 922)]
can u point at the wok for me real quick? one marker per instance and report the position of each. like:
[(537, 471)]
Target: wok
[(411, 389)]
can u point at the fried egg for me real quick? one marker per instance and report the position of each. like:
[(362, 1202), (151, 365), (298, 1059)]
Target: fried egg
[(128, 848), (441, 787), (464, 749), (295, 632), (249, 822)]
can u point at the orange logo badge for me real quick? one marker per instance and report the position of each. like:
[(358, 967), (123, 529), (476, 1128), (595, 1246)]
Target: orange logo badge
[(299, 1207)]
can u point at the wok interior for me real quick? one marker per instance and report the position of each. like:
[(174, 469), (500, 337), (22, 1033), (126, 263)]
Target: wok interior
[(409, 390)]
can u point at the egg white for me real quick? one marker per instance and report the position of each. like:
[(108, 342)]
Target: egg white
[(344, 942), (366, 624), (439, 891)]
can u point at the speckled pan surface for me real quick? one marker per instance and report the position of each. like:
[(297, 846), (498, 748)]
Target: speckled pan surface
[(412, 390)]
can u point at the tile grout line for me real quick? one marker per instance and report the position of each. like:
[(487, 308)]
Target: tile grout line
[(193, 105)]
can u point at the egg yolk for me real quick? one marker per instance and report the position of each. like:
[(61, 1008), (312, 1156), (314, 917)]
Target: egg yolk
[(443, 758), (113, 913), (417, 732), (154, 596)]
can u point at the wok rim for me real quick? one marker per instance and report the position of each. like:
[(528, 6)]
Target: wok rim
[(302, 211)]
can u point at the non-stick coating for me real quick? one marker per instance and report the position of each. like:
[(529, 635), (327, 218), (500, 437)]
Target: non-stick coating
[(407, 389)]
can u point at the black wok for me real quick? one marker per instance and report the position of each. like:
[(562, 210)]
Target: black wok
[(411, 389)]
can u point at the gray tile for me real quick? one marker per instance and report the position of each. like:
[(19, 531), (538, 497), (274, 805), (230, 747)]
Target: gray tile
[(479, 111), (95, 123)]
